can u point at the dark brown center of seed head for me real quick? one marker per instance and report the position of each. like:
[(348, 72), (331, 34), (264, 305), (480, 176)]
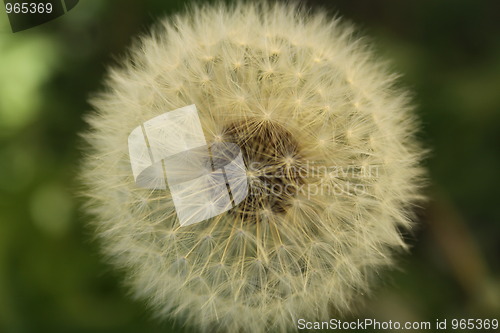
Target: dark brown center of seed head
[(274, 166)]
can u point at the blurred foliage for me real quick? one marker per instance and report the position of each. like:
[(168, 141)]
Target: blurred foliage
[(52, 277)]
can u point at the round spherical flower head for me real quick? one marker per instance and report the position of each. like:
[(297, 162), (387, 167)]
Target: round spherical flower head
[(332, 167)]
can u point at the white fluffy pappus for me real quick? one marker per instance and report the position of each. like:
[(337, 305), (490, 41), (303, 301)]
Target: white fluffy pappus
[(313, 112)]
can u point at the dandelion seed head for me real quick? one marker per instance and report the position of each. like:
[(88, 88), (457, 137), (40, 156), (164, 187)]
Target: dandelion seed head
[(316, 117)]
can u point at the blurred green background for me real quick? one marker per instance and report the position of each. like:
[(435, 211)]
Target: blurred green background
[(52, 278)]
